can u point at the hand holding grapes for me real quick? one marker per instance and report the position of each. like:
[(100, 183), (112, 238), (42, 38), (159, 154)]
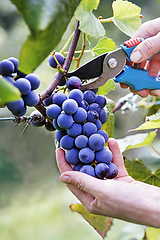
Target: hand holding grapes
[(121, 198), (150, 31)]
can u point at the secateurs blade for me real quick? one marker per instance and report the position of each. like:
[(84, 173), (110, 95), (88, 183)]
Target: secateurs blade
[(113, 65)]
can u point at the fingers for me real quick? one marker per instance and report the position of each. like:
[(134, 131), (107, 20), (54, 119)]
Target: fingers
[(61, 162)]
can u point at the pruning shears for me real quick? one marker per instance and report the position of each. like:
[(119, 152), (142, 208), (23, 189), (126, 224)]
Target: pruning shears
[(114, 65)]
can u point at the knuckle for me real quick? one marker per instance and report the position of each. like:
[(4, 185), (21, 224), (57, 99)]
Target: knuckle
[(149, 44), (80, 184)]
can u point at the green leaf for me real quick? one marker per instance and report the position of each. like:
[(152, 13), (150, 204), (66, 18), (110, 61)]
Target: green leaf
[(8, 92), (140, 172), (104, 45), (100, 223), (88, 22), (148, 125), (126, 16), (47, 21), (108, 126), (136, 141), (107, 87), (152, 233)]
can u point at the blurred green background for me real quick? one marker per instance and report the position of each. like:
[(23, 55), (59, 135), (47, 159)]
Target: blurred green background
[(34, 205)]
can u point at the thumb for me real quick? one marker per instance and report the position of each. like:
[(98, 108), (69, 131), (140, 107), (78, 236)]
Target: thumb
[(146, 49)]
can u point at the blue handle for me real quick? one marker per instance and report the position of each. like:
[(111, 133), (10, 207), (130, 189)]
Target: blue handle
[(138, 79)]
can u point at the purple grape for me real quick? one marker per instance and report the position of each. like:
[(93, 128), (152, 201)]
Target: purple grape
[(96, 141), (84, 104), (73, 83), (86, 155), (70, 106), (92, 116), (80, 116), (103, 116), (71, 156), (34, 80), (67, 142), (103, 133), (88, 169), (49, 126), (104, 155), (62, 82), (89, 96), (64, 120), (20, 112), (31, 99), (75, 130), (113, 171), (53, 111), (59, 134), (78, 166), (15, 62), (39, 120), (6, 67), (9, 79), (89, 128), (48, 101), (56, 126), (59, 98), (16, 106), (101, 170), (23, 85), (95, 106), (76, 94), (101, 100), (98, 124), (81, 141), (59, 57)]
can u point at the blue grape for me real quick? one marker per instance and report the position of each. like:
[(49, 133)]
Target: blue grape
[(59, 134), (103, 133), (75, 130), (70, 106), (53, 111), (49, 126), (96, 141), (53, 63), (76, 94), (95, 106), (64, 120), (59, 98), (67, 142), (20, 112), (80, 116), (89, 128), (48, 101), (92, 116), (98, 124), (9, 79), (71, 156), (23, 85), (39, 120), (73, 83), (84, 104), (81, 141), (34, 80), (88, 169), (6, 67), (103, 116), (101, 170), (56, 126), (86, 155), (78, 166), (104, 155), (113, 171), (89, 96), (15, 62), (101, 100), (31, 99), (62, 82), (16, 106)]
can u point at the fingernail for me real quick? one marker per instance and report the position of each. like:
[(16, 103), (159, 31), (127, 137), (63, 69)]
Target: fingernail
[(136, 56), (65, 178)]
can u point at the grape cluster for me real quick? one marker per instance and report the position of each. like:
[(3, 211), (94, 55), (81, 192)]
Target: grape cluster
[(78, 119), (25, 83)]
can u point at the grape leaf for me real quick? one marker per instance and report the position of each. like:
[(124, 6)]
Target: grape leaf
[(100, 223), (107, 87), (47, 21), (88, 22), (148, 125), (108, 126), (104, 45), (136, 141), (126, 16), (8, 92), (152, 233), (140, 172)]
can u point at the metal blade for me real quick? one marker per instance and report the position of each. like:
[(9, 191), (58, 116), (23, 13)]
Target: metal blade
[(91, 69), (118, 58)]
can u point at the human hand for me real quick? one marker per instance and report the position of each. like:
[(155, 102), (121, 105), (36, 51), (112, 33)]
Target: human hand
[(122, 197), (150, 31)]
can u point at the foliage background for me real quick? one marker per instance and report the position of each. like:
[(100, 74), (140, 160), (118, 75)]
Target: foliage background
[(33, 203)]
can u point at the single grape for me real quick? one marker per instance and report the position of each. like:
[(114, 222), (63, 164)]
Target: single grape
[(86, 155), (78, 166), (103, 133), (95, 106), (64, 120), (81, 141), (31, 99), (113, 171), (101, 170), (80, 116), (103, 116), (96, 141), (76, 94), (38, 119), (67, 142), (84, 104), (104, 155), (70, 106), (16, 106), (6, 67), (59, 134), (62, 82), (59, 98), (15, 62), (89, 128), (52, 61), (89, 96), (75, 130), (53, 111), (9, 79), (71, 156), (92, 116), (88, 169), (98, 124), (73, 83), (56, 126), (21, 112), (101, 100), (49, 126), (23, 85), (48, 101), (34, 80)]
